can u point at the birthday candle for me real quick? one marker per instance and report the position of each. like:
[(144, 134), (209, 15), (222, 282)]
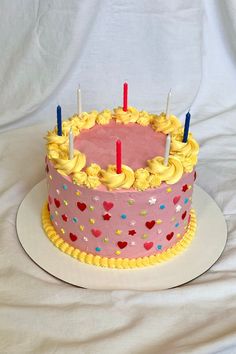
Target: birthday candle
[(118, 157), (59, 123), (79, 101), (71, 144), (186, 127), (168, 105), (125, 97), (167, 150)]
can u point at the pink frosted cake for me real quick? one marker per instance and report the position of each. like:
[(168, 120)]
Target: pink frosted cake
[(139, 217)]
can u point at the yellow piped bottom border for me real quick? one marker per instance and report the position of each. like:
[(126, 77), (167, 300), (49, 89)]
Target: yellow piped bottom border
[(119, 263)]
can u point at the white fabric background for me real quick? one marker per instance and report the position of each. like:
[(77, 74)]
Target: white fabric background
[(47, 48)]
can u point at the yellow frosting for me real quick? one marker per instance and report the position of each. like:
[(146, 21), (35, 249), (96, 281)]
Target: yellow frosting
[(119, 263), (183, 156), (165, 125), (112, 180)]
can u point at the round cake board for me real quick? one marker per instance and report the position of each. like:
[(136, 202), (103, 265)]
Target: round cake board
[(203, 252)]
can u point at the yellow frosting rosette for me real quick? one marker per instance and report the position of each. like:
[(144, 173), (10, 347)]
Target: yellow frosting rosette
[(130, 116), (170, 173), (113, 180), (104, 117), (66, 167), (165, 125)]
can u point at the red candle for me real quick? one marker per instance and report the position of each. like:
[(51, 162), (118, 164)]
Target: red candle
[(118, 157), (125, 97)]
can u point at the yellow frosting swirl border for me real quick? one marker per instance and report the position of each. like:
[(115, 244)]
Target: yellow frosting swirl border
[(182, 159), (118, 263)]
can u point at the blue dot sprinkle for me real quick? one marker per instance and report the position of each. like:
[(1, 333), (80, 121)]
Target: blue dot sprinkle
[(159, 247), (177, 224), (162, 206), (51, 217), (64, 187), (98, 249), (75, 220), (123, 216), (185, 200)]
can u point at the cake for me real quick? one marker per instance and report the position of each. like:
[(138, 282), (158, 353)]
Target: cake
[(139, 217)]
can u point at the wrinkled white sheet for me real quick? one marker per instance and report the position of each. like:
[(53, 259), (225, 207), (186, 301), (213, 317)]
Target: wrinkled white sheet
[(47, 48)]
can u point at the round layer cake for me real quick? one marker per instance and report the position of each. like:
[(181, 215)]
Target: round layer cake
[(139, 217)]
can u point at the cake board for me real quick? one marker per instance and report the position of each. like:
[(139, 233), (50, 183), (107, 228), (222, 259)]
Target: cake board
[(203, 252)]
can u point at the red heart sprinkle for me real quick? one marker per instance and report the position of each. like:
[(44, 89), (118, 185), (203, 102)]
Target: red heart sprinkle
[(148, 245), (150, 224), (64, 217), (176, 199), (169, 236), (81, 206), (96, 232), (184, 215), (121, 244), (57, 203), (73, 237), (185, 188), (108, 205)]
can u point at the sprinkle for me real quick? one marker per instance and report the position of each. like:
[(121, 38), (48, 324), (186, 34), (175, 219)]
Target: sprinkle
[(177, 224), (85, 239), (190, 187), (159, 247), (106, 216), (91, 207), (159, 231), (173, 219), (118, 252), (144, 236), (50, 176), (178, 208), (132, 223), (65, 202), (133, 243), (131, 201), (178, 235), (92, 221), (74, 219), (81, 227), (123, 216), (77, 193), (106, 239), (185, 227), (55, 223), (98, 249), (51, 217), (162, 206), (132, 232), (190, 198), (65, 187), (152, 201), (118, 232), (143, 212), (56, 212), (57, 190), (186, 200), (96, 198), (159, 221), (62, 231), (169, 190)]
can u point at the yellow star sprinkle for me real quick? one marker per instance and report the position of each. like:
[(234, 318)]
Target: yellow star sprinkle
[(118, 252), (144, 236), (63, 231), (91, 207), (178, 235), (169, 190), (77, 193), (106, 239), (190, 187), (81, 227), (143, 212), (185, 227), (65, 202), (118, 232), (56, 212), (173, 219), (50, 176), (159, 221), (92, 221)]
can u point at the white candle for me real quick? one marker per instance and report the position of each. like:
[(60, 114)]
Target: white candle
[(167, 150), (71, 145), (79, 101), (168, 105)]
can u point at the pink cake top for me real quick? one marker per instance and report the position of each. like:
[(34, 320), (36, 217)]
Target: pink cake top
[(139, 144)]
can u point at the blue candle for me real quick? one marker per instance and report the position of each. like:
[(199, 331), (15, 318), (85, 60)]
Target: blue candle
[(186, 127), (59, 126)]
